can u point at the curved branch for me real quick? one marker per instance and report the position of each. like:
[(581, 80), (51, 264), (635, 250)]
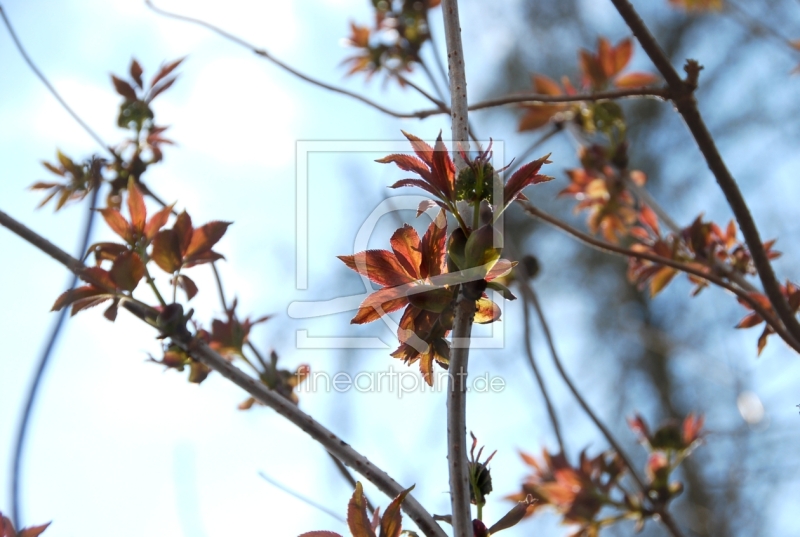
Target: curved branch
[(33, 390), (661, 510), (202, 353), (267, 56), (686, 104), (768, 317)]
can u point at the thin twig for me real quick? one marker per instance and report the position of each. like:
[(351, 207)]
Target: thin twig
[(535, 368), (49, 86), (202, 353), (768, 317), (267, 56), (575, 392), (44, 360), (302, 498), (659, 509), (532, 98), (465, 305), (686, 104), (522, 279), (220, 291)]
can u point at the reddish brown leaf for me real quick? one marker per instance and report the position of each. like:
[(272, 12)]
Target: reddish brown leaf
[(537, 115), (99, 278), (418, 183), (512, 518), (380, 266), (751, 320), (118, 224), (166, 251), (649, 218), (164, 71), (205, 257), (183, 231), (86, 303), (357, 518), (310, 533), (123, 88), (546, 86), (136, 73), (188, 285), (106, 251), (661, 279), (410, 164), (33, 531), (205, 237), (391, 523), (136, 207), (635, 80), (605, 56), (127, 270), (433, 262), (421, 148), (762, 340), (156, 91), (443, 169), (380, 303), (524, 176), (406, 247), (691, 428), (79, 293), (621, 55), (157, 221)]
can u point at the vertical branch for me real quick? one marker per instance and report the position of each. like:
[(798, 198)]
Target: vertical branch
[(465, 307), (686, 104), (457, 74)]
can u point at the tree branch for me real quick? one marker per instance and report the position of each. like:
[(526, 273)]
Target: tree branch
[(202, 353), (768, 317), (686, 104), (465, 305), (269, 57)]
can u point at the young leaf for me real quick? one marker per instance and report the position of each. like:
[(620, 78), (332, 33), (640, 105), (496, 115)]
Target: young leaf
[(391, 523), (357, 518), (123, 88)]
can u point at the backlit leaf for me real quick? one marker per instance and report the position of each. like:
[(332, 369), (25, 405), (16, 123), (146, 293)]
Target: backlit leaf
[(357, 518), (391, 523), (380, 266), (136, 207), (205, 237), (407, 249), (166, 251), (635, 80), (123, 88), (117, 223), (127, 270)]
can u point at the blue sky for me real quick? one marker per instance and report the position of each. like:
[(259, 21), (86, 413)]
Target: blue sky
[(119, 446)]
